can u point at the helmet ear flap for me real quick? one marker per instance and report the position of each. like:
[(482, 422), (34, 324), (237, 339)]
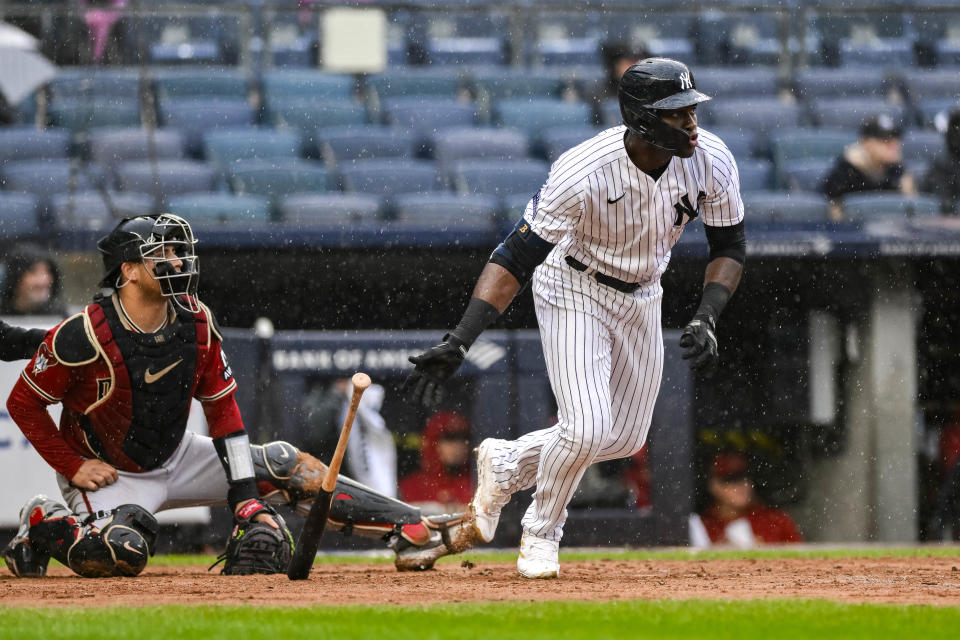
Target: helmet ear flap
[(648, 125)]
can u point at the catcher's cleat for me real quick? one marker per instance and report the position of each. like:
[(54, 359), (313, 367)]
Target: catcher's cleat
[(419, 546), (539, 557), (489, 499), (23, 560)]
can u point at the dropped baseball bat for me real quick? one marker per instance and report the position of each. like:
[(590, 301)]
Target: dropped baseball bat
[(316, 521)]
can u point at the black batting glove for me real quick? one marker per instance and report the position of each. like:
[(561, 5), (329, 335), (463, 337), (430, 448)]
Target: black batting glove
[(699, 343), (424, 386)]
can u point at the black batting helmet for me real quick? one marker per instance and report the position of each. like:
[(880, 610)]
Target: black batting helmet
[(656, 84), (145, 238)]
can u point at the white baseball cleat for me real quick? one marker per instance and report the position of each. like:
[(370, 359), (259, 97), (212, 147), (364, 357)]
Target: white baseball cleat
[(489, 498), (538, 557)]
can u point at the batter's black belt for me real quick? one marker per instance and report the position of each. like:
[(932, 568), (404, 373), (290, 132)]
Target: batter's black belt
[(610, 281)]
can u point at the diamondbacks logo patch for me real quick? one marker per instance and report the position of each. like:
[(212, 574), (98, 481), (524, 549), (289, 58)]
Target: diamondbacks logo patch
[(44, 359)]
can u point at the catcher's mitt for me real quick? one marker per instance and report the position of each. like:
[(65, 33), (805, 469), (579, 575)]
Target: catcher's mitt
[(256, 547)]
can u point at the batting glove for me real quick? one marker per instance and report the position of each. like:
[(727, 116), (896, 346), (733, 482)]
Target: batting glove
[(699, 344), (424, 386)]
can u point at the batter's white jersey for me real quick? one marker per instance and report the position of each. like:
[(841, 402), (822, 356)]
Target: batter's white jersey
[(603, 347)]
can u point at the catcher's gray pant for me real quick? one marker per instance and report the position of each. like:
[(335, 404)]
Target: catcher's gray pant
[(604, 354), (192, 477)]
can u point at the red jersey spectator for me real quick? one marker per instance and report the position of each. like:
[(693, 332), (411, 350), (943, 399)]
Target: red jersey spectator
[(735, 516), (443, 482)]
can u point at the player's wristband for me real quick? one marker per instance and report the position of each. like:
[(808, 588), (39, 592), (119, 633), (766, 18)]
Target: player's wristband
[(715, 297), (479, 315)]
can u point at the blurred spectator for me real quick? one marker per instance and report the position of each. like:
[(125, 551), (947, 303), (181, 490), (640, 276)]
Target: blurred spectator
[(100, 18), (371, 456), (637, 479), (734, 515), (943, 177), (873, 163), (443, 483), (31, 283), (617, 58), (947, 511)]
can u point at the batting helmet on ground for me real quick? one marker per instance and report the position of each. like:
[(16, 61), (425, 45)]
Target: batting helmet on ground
[(652, 85)]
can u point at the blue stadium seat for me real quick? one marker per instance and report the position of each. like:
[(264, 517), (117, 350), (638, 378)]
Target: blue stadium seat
[(806, 174), (100, 83), (336, 209), (166, 177), (90, 209), (278, 178), (308, 115), (18, 216), (817, 82), (413, 81), (206, 209), (500, 178), (756, 174), (29, 143), (779, 206), (932, 110), (888, 205), (387, 177), (112, 145), (228, 145), (460, 51), (790, 145), (427, 113), (534, 115), (455, 144), (742, 141), (610, 112), (733, 82), (82, 115), (558, 140), (197, 116), (439, 210), (880, 52), (514, 205), (354, 142), (748, 37), (497, 83), (850, 113), (212, 82), (925, 84), (280, 85), (918, 144), (568, 51), (45, 178), (762, 115)]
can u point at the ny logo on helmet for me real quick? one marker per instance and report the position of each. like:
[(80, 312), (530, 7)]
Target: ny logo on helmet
[(685, 81)]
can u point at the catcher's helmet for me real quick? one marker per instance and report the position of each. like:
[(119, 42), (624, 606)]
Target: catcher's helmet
[(652, 85), (146, 238)]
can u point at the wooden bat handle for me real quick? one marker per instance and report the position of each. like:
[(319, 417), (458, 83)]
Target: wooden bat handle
[(360, 383)]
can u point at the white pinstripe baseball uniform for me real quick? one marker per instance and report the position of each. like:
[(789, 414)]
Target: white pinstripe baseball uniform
[(604, 347)]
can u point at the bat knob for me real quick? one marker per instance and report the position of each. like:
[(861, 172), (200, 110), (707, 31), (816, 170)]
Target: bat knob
[(360, 381)]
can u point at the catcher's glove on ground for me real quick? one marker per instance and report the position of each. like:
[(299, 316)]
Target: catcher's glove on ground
[(433, 367), (256, 547)]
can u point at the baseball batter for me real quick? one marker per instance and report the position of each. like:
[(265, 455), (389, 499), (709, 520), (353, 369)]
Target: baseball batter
[(595, 240), (125, 371)]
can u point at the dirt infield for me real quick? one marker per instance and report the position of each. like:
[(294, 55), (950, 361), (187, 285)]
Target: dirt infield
[(932, 581)]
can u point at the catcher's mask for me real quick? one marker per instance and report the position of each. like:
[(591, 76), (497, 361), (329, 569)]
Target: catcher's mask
[(146, 239), (657, 84)]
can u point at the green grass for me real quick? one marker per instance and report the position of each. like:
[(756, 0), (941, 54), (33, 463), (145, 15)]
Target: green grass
[(780, 619)]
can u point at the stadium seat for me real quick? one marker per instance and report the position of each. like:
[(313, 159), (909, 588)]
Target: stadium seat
[(492, 84), (534, 115), (779, 206), (750, 37), (812, 83), (610, 115), (220, 208), (228, 145), (761, 115), (280, 85), (878, 52), (439, 210), (29, 143), (926, 84), (460, 51), (45, 178), (514, 205), (932, 110), (81, 115), (195, 117), (427, 113), (790, 145), (741, 141), (756, 174), (91, 209), (337, 209), (166, 177), (558, 140), (806, 174), (308, 115), (213, 82), (850, 113), (95, 82), (568, 51), (455, 144), (732, 82), (499, 178), (18, 215), (888, 205), (111, 145), (278, 178), (354, 142), (387, 177), (415, 81)]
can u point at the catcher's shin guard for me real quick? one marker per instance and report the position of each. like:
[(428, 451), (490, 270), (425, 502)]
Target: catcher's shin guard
[(26, 559), (296, 474), (120, 548)]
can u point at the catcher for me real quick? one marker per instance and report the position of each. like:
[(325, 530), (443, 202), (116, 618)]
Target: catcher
[(125, 371)]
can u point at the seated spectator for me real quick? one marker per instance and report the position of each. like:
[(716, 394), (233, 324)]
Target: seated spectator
[(31, 283), (734, 515), (617, 58), (873, 163), (943, 177), (443, 483)]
